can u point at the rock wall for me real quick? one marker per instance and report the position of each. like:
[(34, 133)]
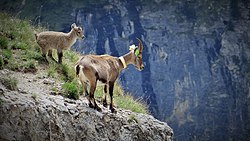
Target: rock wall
[(196, 56)]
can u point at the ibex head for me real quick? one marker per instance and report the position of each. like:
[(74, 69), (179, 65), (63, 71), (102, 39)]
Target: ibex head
[(78, 31), (137, 55)]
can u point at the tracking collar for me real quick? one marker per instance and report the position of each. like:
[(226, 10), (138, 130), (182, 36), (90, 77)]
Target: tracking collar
[(123, 62)]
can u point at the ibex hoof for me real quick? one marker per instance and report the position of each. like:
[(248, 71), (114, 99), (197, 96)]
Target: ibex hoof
[(52, 58), (98, 109), (46, 62), (113, 110), (104, 103), (91, 105)]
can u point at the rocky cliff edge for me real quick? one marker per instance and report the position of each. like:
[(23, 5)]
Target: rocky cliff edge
[(32, 113)]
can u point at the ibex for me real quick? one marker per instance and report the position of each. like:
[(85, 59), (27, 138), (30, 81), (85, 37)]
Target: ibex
[(60, 41), (92, 69)]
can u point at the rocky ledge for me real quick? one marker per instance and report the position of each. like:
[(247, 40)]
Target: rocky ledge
[(26, 115)]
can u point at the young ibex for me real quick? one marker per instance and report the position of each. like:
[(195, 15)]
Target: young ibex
[(49, 40), (92, 69)]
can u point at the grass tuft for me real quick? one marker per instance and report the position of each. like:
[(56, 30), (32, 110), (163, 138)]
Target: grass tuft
[(128, 102), (19, 45), (9, 82), (123, 100), (51, 70), (71, 90), (3, 42), (1, 62), (12, 65), (132, 118), (67, 72), (7, 53), (30, 66)]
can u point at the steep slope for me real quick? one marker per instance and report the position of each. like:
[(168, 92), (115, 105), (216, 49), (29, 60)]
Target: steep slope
[(31, 112), (35, 104)]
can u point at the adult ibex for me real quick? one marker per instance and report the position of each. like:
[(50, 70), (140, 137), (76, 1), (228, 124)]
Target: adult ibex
[(92, 69), (58, 40)]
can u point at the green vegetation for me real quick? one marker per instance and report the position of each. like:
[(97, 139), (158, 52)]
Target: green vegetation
[(123, 100), (19, 52), (9, 82), (128, 102), (68, 73), (1, 63), (17, 43), (132, 118), (71, 90), (51, 70), (3, 42)]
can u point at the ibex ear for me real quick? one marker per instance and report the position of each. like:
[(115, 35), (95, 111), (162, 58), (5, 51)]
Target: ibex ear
[(73, 25), (140, 46)]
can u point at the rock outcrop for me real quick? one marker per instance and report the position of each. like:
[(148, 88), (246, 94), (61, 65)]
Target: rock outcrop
[(31, 113)]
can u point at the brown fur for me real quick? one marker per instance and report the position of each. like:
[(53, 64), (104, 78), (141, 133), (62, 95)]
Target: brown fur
[(92, 69), (49, 40)]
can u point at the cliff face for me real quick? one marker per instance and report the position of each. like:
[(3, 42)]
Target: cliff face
[(196, 54), (32, 113)]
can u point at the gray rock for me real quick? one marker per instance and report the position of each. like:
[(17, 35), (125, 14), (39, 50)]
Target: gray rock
[(48, 81), (53, 117)]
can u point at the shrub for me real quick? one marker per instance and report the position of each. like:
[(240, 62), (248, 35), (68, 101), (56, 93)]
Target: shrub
[(9, 82), (3, 43), (35, 55), (30, 55), (12, 65), (67, 72), (13, 33), (71, 56), (19, 45), (30, 66), (7, 53), (1, 62), (70, 90), (51, 70)]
